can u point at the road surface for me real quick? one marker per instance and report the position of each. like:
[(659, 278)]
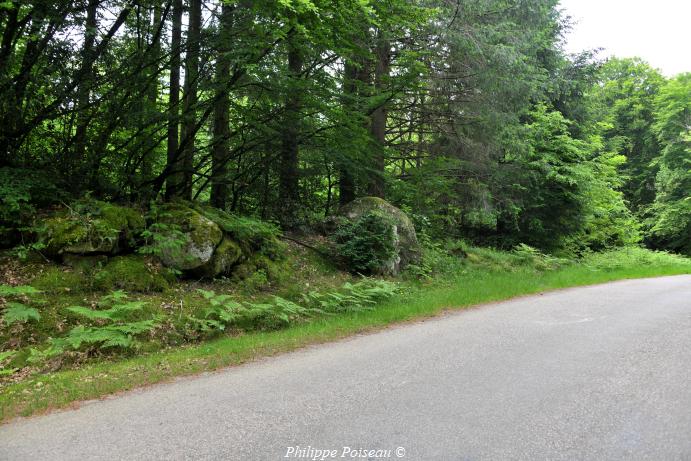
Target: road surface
[(602, 372)]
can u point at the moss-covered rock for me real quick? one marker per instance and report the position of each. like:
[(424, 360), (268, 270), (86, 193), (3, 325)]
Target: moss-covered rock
[(195, 237), (252, 235), (403, 236), (84, 262), (132, 273), (225, 257), (90, 227)]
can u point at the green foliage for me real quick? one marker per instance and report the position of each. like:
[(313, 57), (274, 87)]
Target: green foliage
[(352, 297), (253, 235), (365, 244), (113, 324), (15, 311), (19, 312), (222, 312), (22, 192), (668, 220), (163, 234), (632, 257), (5, 357), (623, 100)]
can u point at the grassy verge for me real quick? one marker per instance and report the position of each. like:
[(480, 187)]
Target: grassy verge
[(465, 288)]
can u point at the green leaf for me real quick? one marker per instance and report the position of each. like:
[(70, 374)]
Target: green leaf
[(18, 312)]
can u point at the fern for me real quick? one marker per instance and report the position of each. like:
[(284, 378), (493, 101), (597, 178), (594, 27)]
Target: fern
[(223, 312), (113, 327), (21, 290), (352, 297), (19, 312), (5, 357)]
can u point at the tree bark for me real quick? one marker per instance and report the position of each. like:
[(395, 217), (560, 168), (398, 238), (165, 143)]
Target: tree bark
[(190, 96), (290, 149), (346, 180), (84, 94), (173, 181), (221, 128), (378, 120)]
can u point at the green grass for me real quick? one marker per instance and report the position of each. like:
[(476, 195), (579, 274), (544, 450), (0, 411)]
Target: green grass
[(468, 286)]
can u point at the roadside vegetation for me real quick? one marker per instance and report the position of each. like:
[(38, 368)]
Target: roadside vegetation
[(69, 346), (318, 169)]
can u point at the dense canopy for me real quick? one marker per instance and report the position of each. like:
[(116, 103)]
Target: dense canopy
[(466, 114)]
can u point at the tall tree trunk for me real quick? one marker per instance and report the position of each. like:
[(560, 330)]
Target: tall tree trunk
[(219, 154), (378, 119), (190, 96), (148, 152), (288, 168), (346, 180), (84, 95), (173, 181)]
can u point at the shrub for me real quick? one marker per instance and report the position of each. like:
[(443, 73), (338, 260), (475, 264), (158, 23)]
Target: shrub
[(366, 244), (22, 191)]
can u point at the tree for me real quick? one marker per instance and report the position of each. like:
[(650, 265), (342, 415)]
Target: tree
[(669, 218)]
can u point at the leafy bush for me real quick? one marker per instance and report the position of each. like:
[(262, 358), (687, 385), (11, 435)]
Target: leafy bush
[(632, 257), (22, 191), (161, 236), (365, 244), (535, 258)]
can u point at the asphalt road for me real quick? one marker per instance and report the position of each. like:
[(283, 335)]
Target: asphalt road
[(601, 372)]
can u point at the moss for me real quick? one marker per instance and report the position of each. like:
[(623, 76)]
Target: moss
[(226, 255), (275, 271), (201, 236), (131, 273), (61, 279), (91, 226), (129, 220), (85, 263), (253, 235)]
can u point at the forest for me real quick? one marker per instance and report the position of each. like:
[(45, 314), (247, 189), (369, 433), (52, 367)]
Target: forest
[(173, 172), (468, 115)]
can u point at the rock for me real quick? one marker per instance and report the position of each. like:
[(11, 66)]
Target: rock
[(403, 236), (91, 227), (253, 235), (225, 257), (131, 273), (194, 237), (84, 262)]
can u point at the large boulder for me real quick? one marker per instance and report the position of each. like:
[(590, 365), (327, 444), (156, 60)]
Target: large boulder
[(207, 242), (226, 256), (403, 236), (90, 227), (193, 237)]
